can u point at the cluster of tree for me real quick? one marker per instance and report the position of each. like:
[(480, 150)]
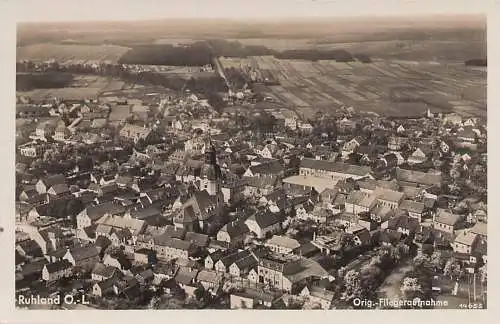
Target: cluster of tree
[(206, 84), (235, 78), (44, 80), (202, 297), (195, 54), (221, 47), (316, 55), (363, 284), (417, 284), (264, 122)]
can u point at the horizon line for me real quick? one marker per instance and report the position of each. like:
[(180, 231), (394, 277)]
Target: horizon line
[(276, 19)]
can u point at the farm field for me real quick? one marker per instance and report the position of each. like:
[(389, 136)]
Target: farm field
[(82, 86), (383, 49), (388, 87), (61, 53)]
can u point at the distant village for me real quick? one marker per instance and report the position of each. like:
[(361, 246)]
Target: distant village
[(162, 202)]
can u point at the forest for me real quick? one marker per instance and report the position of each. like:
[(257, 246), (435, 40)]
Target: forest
[(201, 53)]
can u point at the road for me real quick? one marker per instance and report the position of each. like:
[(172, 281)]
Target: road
[(219, 68)]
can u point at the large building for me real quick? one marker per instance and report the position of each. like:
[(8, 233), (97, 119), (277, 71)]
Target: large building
[(332, 170)]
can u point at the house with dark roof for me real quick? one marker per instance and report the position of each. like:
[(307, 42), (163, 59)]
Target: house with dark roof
[(45, 183), (242, 266), (59, 190), (234, 233), (84, 257), (223, 264), (57, 270), (33, 270), (403, 224), (29, 248), (93, 213), (447, 222), (101, 272), (198, 211), (31, 196), (144, 256), (214, 257), (273, 167), (258, 186), (415, 209), (288, 273), (185, 278), (263, 223), (198, 240), (105, 287), (115, 257)]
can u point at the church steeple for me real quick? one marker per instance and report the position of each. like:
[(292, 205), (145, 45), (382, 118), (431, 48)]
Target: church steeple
[(211, 173), (210, 153)]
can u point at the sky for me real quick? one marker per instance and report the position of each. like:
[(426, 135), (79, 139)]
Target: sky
[(117, 10)]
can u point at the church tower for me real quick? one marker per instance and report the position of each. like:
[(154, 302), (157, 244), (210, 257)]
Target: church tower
[(210, 173)]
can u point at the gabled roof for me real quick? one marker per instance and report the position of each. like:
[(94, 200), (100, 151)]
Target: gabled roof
[(144, 213), (466, 238), (338, 167), (233, 257), (412, 206), (272, 167), (103, 270), (480, 228), (60, 188), (264, 219), (209, 276), (235, 228), (447, 218), (96, 212), (185, 275), (246, 262), (321, 293), (257, 294), (418, 177), (58, 266), (54, 179), (283, 241), (200, 240), (119, 222), (84, 252), (174, 243), (389, 195), (404, 222), (262, 182)]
